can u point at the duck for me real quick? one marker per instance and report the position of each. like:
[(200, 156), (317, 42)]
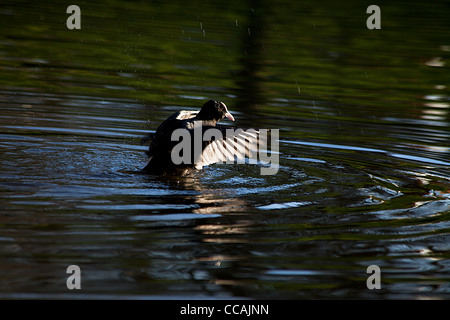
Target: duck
[(223, 145)]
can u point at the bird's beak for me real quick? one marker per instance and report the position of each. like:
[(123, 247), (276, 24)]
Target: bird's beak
[(229, 116)]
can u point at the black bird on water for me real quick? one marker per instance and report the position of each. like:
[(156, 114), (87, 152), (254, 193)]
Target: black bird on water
[(228, 146)]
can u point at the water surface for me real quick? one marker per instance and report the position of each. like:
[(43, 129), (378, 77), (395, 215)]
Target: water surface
[(364, 173)]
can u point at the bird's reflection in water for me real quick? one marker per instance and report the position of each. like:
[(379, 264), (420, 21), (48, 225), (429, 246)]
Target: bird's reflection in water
[(210, 230), (216, 219), (231, 212)]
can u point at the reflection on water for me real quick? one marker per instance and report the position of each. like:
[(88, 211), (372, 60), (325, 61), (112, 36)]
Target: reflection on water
[(364, 151)]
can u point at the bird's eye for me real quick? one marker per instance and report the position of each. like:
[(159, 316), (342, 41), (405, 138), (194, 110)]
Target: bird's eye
[(222, 106)]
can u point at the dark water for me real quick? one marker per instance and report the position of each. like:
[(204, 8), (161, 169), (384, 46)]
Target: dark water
[(364, 173)]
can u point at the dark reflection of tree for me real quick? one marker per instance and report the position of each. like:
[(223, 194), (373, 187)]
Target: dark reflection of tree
[(248, 79)]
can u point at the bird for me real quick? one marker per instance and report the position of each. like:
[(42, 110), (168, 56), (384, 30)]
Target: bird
[(222, 143)]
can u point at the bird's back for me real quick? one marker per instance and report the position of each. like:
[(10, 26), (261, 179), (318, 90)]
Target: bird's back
[(161, 146)]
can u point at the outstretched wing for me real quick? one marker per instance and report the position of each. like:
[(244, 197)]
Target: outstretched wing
[(183, 114), (228, 145)]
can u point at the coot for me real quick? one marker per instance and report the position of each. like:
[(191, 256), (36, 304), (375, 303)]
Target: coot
[(215, 143)]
